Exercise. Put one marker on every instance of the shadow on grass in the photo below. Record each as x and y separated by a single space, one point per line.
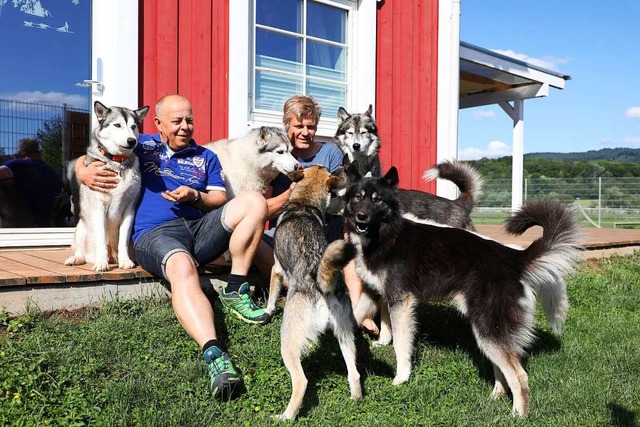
621 416
445 327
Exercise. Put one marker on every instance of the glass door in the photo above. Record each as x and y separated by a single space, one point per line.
61 58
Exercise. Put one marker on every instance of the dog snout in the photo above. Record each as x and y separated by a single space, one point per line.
131 142
356 146
362 217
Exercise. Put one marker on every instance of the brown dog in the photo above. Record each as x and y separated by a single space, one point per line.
316 298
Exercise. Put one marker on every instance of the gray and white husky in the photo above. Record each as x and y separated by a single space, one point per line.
254 160
104 228
357 137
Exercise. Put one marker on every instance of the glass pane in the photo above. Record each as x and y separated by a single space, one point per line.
48 54
326 61
326 22
278 52
282 14
330 96
273 89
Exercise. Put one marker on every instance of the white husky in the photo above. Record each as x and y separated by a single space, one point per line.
104 227
254 160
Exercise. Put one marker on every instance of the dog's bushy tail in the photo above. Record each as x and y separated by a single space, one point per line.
336 256
465 176
551 256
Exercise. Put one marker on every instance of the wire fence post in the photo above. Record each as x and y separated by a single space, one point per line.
599 200
65 143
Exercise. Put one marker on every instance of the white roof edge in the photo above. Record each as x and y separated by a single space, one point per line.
478 55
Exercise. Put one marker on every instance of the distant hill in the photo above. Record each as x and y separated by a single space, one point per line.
622 155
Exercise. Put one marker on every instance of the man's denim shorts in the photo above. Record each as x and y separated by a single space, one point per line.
205 239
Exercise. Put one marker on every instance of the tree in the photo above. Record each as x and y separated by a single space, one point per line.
50 138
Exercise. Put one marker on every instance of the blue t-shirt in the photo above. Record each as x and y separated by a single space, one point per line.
329 156
163 169
39 184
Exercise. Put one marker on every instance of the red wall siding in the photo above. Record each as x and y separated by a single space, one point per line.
406 88
184 49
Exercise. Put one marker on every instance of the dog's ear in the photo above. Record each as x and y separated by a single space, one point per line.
342 115
101 110
369 111
345 161
352 172
337 179
263 137
391 177
296 175
141 112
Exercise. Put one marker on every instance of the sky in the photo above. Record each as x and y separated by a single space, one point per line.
44 64
596 42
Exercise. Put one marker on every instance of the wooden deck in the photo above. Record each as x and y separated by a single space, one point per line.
46 265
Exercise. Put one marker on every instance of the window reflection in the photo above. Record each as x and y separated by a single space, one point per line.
300 47
40 101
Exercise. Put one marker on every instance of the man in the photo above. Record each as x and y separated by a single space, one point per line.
183 219
301 115
37 183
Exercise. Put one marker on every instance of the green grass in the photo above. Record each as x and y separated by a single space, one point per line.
130 363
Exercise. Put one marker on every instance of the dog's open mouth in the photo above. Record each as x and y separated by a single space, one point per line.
362 227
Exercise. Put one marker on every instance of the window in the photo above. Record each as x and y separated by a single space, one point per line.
300 47
321 48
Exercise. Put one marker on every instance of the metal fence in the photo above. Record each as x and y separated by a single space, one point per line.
62 130
602 201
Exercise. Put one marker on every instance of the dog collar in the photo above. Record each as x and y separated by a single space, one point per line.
113 157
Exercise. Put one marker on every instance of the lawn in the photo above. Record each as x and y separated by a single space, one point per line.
130 363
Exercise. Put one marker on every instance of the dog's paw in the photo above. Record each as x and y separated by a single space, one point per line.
101 266
498 390
126 263
381 342
72 260
400 379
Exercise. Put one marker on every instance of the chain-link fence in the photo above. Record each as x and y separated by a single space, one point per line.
62 131
603 201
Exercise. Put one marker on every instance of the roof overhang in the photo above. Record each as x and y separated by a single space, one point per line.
488 77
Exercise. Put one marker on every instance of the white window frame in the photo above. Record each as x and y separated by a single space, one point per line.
361 66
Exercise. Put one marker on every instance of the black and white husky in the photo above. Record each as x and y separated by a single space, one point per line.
494 285
104 227
357 137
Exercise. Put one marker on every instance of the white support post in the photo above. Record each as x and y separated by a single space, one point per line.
516 112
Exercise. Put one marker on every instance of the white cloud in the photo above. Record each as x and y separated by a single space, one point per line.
548 62
632 141
632 113
494 150
53 98
483 114
607 141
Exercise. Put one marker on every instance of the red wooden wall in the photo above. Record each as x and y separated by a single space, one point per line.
406 88
184 48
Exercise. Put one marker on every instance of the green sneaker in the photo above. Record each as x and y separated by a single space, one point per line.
225 378
241 304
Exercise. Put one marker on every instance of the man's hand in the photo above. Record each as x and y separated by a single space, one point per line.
95 176
182 194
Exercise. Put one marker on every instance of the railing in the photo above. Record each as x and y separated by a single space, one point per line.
602 201
62 130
